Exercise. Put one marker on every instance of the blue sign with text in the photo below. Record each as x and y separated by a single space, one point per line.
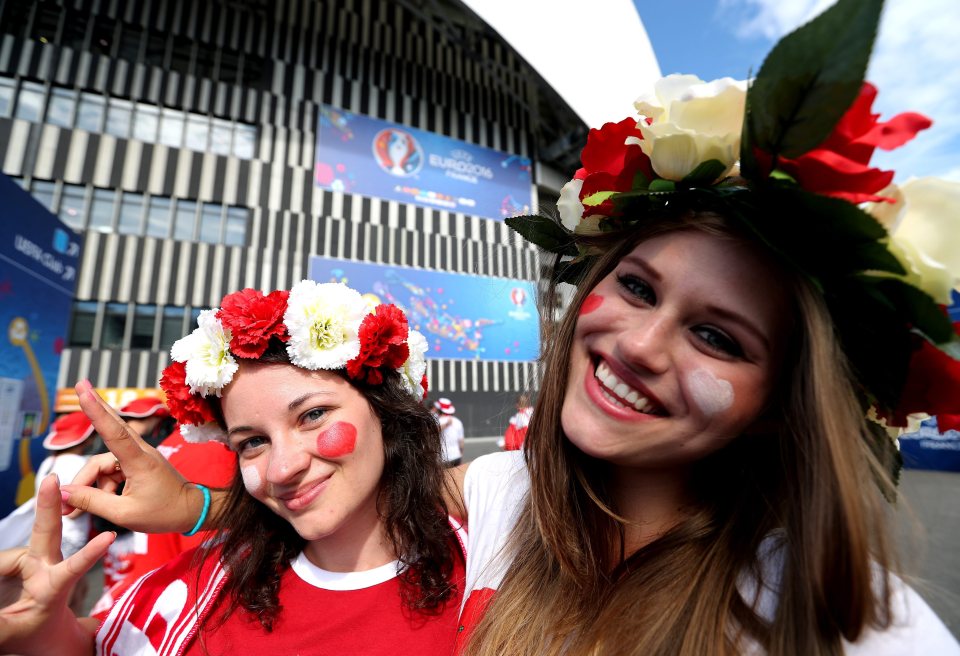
462 317
362 155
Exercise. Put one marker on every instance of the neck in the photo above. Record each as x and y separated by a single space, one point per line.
653 502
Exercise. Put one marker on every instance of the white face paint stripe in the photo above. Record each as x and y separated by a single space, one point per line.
711 394
251 478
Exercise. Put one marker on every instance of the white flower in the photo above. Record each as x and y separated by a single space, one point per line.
412 371
569 205
693 122
206 433
924 227
206 352
324 323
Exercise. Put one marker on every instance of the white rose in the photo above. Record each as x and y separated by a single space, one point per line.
206 352
412 371
924 227
569 205
693 122
324 324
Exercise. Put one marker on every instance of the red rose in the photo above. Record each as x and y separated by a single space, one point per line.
253 319
611 165
185 407
383 343
840 165
932 387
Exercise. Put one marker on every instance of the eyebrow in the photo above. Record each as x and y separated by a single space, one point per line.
293 405
723 313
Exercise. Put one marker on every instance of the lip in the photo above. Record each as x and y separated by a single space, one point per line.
596 392
304 496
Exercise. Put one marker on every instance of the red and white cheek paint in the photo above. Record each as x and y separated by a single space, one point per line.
337 441
251 478
590 303
711 394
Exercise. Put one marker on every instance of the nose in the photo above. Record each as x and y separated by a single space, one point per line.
646 343
288 459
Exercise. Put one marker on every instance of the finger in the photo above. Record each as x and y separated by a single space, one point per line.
80 563
97 502
123 441
47 526
95 469
11 560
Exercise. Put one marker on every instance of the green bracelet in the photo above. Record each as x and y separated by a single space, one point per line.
203 513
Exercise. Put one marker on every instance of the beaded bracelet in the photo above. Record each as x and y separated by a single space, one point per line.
203 513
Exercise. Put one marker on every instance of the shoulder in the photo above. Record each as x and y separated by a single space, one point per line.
495 484
494 468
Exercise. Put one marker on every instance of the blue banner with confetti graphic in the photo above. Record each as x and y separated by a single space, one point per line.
462 317
361 155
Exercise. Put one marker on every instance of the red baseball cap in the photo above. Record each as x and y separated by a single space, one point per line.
145 406
445 406
67 431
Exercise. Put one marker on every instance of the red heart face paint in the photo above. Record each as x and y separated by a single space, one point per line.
591 303
337 441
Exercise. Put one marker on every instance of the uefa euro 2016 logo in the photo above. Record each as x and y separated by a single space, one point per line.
397 152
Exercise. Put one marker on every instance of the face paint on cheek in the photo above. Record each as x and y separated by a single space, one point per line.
711 394
251 478
337 441
590 303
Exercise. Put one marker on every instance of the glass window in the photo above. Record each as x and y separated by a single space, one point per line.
171 327
171 127
144 323
145 123
7 88
104 33
198 131
186 220
210 220
63 102
220 133
114 323
244 141
229 65
101 210
156 49
81 324
119 117
236 229
131 214
30 102
72 206
45 22
158 217
74 29
90 114
43 192
130 39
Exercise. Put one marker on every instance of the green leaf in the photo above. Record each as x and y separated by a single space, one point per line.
597 198
810 78
705 172
875 256
640 181
663 185
544 232
917 308
572 272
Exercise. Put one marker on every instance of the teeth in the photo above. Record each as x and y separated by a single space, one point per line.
619 393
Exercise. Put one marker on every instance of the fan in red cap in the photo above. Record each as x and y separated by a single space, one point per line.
145 406
68 431
149 416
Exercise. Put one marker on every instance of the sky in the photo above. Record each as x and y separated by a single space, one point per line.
915 63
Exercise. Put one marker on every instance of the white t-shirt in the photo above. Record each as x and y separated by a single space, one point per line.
451 431
496 486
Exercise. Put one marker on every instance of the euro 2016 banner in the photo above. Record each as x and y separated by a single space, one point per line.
362 155
462 317
39 257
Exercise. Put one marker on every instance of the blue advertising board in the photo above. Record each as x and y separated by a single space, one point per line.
39 258
462 317
362 155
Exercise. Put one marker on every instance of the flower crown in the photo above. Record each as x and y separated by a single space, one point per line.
787 157
324 326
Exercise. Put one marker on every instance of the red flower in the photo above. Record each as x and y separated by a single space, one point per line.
932 387
611 165
185 407
425 385
840 165
253 319
383 343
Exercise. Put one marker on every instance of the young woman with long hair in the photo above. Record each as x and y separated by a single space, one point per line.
333 531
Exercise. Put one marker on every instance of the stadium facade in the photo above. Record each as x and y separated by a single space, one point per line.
179 138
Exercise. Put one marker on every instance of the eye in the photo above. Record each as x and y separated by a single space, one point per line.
250 445
313 415
719 341
637 287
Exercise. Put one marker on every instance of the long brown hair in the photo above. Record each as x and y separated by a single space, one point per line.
807 492
258 546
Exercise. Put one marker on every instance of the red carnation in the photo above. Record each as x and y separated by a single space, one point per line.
425 385
185 407
253 319
383 343
611 165
840 165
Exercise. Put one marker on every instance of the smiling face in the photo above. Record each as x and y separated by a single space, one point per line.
675 352
310 448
